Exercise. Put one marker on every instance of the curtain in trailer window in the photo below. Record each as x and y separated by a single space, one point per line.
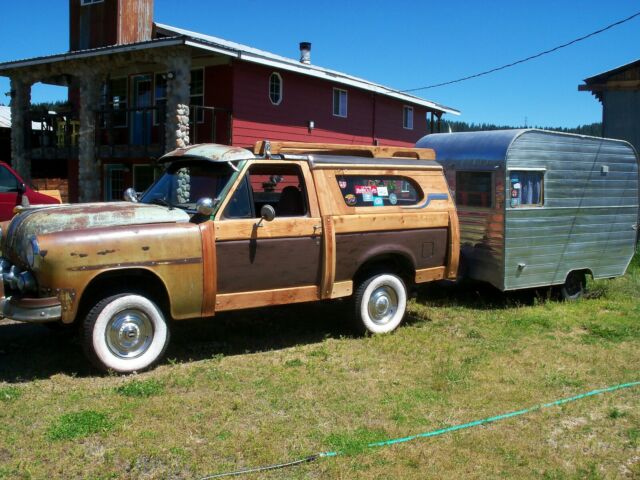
526 188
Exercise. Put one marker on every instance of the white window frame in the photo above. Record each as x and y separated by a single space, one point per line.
281 90
84 3
340 91
407 117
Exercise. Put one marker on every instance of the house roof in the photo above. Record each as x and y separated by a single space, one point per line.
604 76
178 36
254 55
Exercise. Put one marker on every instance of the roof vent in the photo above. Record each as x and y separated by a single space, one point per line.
305 52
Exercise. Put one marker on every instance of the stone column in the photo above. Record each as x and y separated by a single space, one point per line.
88 164
20 127
178 91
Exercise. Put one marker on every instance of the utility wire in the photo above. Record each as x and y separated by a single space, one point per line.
537 55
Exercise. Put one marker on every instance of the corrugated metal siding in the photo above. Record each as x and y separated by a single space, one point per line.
587 218
482 229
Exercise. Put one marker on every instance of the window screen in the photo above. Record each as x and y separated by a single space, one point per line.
378 191
474 189
527 188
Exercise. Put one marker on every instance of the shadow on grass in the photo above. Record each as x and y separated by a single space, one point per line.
480 295
29 352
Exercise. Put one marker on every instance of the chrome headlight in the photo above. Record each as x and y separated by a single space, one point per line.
31 250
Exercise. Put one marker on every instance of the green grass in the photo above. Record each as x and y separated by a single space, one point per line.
9 394
271 385
79 424
141 388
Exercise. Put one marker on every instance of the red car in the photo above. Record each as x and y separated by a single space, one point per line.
13 192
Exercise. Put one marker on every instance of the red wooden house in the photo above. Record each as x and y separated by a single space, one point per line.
131 82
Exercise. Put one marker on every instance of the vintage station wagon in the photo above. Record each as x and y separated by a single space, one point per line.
226 229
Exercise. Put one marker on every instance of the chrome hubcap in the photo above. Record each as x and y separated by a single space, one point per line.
129 333
382 305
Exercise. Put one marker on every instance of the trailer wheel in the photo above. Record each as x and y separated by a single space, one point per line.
380 304
125 333
573 287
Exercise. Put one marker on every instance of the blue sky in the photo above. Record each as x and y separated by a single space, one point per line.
401 44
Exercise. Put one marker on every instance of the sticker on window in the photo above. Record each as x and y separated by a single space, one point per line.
378 191
350 199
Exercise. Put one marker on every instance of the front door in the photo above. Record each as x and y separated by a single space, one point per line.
141 114
263 262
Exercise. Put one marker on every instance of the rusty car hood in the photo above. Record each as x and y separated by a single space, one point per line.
57 218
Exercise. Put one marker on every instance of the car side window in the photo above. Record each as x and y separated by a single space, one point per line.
378 191
281 186
240 205
8 182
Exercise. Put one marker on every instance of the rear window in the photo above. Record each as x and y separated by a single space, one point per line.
474 189
378 191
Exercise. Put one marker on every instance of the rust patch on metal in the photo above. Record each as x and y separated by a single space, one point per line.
176 261
81 255
145 248
106 252
67 297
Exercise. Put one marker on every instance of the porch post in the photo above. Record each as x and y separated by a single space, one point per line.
20 126
88 164
178 96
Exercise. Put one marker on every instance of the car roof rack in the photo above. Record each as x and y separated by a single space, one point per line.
267 148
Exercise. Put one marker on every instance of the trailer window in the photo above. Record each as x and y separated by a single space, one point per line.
378 191
527 188
474 189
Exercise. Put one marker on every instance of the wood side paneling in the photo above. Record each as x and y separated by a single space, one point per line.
430 274
453 257
328 257
390 221
239 229
237 301
209 269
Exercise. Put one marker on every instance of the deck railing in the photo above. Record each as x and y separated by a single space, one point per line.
124 132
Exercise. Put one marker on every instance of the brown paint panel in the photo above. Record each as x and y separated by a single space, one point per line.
425 248
263 264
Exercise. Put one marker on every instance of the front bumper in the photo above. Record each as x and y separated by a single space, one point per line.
32 310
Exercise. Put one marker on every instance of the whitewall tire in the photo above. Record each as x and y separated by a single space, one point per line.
380 304
125 333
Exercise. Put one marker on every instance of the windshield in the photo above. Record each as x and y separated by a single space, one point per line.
185 182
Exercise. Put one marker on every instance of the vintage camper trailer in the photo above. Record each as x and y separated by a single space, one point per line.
541 208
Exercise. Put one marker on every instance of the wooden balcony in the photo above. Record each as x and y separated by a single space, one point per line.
123 133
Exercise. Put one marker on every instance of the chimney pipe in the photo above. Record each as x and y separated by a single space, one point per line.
305 52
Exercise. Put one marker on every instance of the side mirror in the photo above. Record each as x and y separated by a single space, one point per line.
21 188
268 213
130 195
205 206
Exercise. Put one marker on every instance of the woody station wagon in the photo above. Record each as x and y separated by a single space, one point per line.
225 229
